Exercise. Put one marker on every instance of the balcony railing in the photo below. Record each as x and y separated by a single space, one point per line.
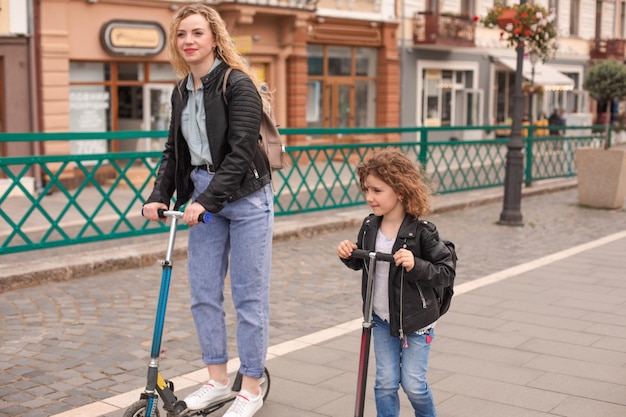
443 29
608 49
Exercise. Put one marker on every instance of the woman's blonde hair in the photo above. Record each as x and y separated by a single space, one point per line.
402 175
224 50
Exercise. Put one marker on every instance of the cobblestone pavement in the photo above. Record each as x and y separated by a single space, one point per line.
70 343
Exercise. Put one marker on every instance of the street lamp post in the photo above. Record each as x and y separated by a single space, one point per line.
534 57
511 214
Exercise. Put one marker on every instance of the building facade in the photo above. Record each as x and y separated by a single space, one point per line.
101 71
458 73
102 65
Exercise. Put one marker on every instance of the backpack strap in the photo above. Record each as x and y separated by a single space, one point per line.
226 74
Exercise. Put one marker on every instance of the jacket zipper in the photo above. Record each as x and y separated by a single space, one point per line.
401 321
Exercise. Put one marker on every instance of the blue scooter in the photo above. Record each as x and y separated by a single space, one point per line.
157 386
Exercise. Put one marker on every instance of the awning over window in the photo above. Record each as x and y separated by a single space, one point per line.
549 77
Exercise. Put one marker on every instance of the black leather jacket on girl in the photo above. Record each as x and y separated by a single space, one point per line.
233 131
412 300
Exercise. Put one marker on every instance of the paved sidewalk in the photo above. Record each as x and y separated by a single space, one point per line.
538 326
545 338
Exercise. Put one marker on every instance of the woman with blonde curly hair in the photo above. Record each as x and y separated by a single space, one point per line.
405 301
213 162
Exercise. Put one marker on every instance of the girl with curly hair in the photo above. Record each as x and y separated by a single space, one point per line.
405 303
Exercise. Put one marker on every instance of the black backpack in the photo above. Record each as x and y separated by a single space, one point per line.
444 294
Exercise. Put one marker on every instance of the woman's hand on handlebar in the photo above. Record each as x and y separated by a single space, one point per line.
193 212
150 211
345 248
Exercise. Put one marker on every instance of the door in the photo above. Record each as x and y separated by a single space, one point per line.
338 109
156 114
469 105
341 105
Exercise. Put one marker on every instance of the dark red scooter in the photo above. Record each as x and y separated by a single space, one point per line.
366 336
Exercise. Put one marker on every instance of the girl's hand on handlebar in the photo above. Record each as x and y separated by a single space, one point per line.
150 211
405 258
193 212
345 248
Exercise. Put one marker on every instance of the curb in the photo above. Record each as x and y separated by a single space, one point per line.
139 255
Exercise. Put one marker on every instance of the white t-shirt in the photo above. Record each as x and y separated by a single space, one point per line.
381 277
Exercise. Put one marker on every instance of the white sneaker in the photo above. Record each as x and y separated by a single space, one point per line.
209 393
245 405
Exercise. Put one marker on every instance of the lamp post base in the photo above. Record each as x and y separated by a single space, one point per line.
510 219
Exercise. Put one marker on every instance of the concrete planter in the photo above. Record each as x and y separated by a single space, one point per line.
601 177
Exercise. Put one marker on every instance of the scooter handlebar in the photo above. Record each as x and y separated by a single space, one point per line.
366 254
202 218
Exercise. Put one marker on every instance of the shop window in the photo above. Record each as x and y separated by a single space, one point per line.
314 104
316 60
342 86
448 98
574 25
130 72
339 60
90 111
161 72
366 62
112 97
85 72
366 95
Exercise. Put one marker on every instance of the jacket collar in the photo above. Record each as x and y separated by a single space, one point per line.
408 228
215 72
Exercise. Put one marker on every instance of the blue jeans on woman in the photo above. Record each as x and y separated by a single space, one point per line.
241 231
397 364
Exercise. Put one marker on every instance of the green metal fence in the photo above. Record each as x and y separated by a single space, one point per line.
95 197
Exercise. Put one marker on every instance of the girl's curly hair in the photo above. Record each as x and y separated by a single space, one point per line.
224 50
402 175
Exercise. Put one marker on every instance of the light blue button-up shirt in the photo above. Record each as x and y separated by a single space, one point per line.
194 123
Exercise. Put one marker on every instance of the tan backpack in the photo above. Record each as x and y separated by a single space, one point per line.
271 143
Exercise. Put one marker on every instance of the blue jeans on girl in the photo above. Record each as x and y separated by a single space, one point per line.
242 229
397 365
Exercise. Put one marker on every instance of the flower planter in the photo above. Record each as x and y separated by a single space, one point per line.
507 16
601 177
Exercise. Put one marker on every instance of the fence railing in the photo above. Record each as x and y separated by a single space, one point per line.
95 197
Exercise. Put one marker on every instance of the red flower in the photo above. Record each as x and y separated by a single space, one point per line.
476 18
524 14
518 31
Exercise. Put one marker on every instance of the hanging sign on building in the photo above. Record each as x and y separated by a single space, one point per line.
132 38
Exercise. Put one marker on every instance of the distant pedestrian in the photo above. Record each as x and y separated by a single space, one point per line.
554 121
405 306
214 163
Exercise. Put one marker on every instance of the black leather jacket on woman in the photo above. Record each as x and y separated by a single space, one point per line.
412 300
233 131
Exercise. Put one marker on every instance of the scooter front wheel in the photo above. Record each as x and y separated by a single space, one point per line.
138 409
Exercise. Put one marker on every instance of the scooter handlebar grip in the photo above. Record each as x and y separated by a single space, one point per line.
365 254
204 217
